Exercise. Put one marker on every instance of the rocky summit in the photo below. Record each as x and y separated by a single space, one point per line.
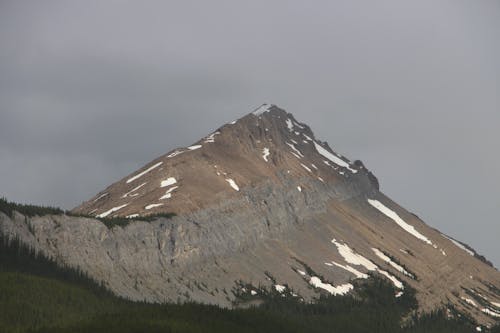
260 203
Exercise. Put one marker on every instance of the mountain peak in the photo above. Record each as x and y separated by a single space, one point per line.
261 146
262 109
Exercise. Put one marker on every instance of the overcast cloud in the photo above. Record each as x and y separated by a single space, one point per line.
92 90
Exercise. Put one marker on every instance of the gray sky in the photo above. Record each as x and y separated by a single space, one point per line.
92 90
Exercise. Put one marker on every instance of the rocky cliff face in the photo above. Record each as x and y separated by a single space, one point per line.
261 201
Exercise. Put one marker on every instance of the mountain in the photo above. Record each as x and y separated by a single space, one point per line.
259 203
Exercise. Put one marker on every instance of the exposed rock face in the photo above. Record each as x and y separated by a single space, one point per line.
260 197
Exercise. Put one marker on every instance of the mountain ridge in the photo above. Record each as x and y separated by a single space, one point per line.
284 136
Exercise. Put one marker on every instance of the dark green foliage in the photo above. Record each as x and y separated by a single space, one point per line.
16 257
110 222
8 208
437 322
492 288
28 210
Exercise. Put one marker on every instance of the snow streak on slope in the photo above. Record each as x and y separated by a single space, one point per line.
233 184
167 182
144 172
211 137
298 152
353 258
112 210
459 245
101 196
194 147
490 312
398 284
153 206
339 290
348 268
332 157
356 259
265 154
388 260
279 288
395 217
133 190
168 194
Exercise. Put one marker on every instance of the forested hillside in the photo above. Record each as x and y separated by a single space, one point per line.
36 295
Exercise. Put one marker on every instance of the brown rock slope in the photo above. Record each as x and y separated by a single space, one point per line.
262 201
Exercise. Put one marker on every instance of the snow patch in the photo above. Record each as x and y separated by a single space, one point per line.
253 292
295 149
299 188
211 137
339 290
353 258
175 153
350 269
112 210
132 216
144 172
289 124
356 259
265 154
168 194
153 206
388 260
332 157
395 217
469 301
167 182
490 312
306 167
233 184
133 190
398 284
279 288
194 147
459 245
101 196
